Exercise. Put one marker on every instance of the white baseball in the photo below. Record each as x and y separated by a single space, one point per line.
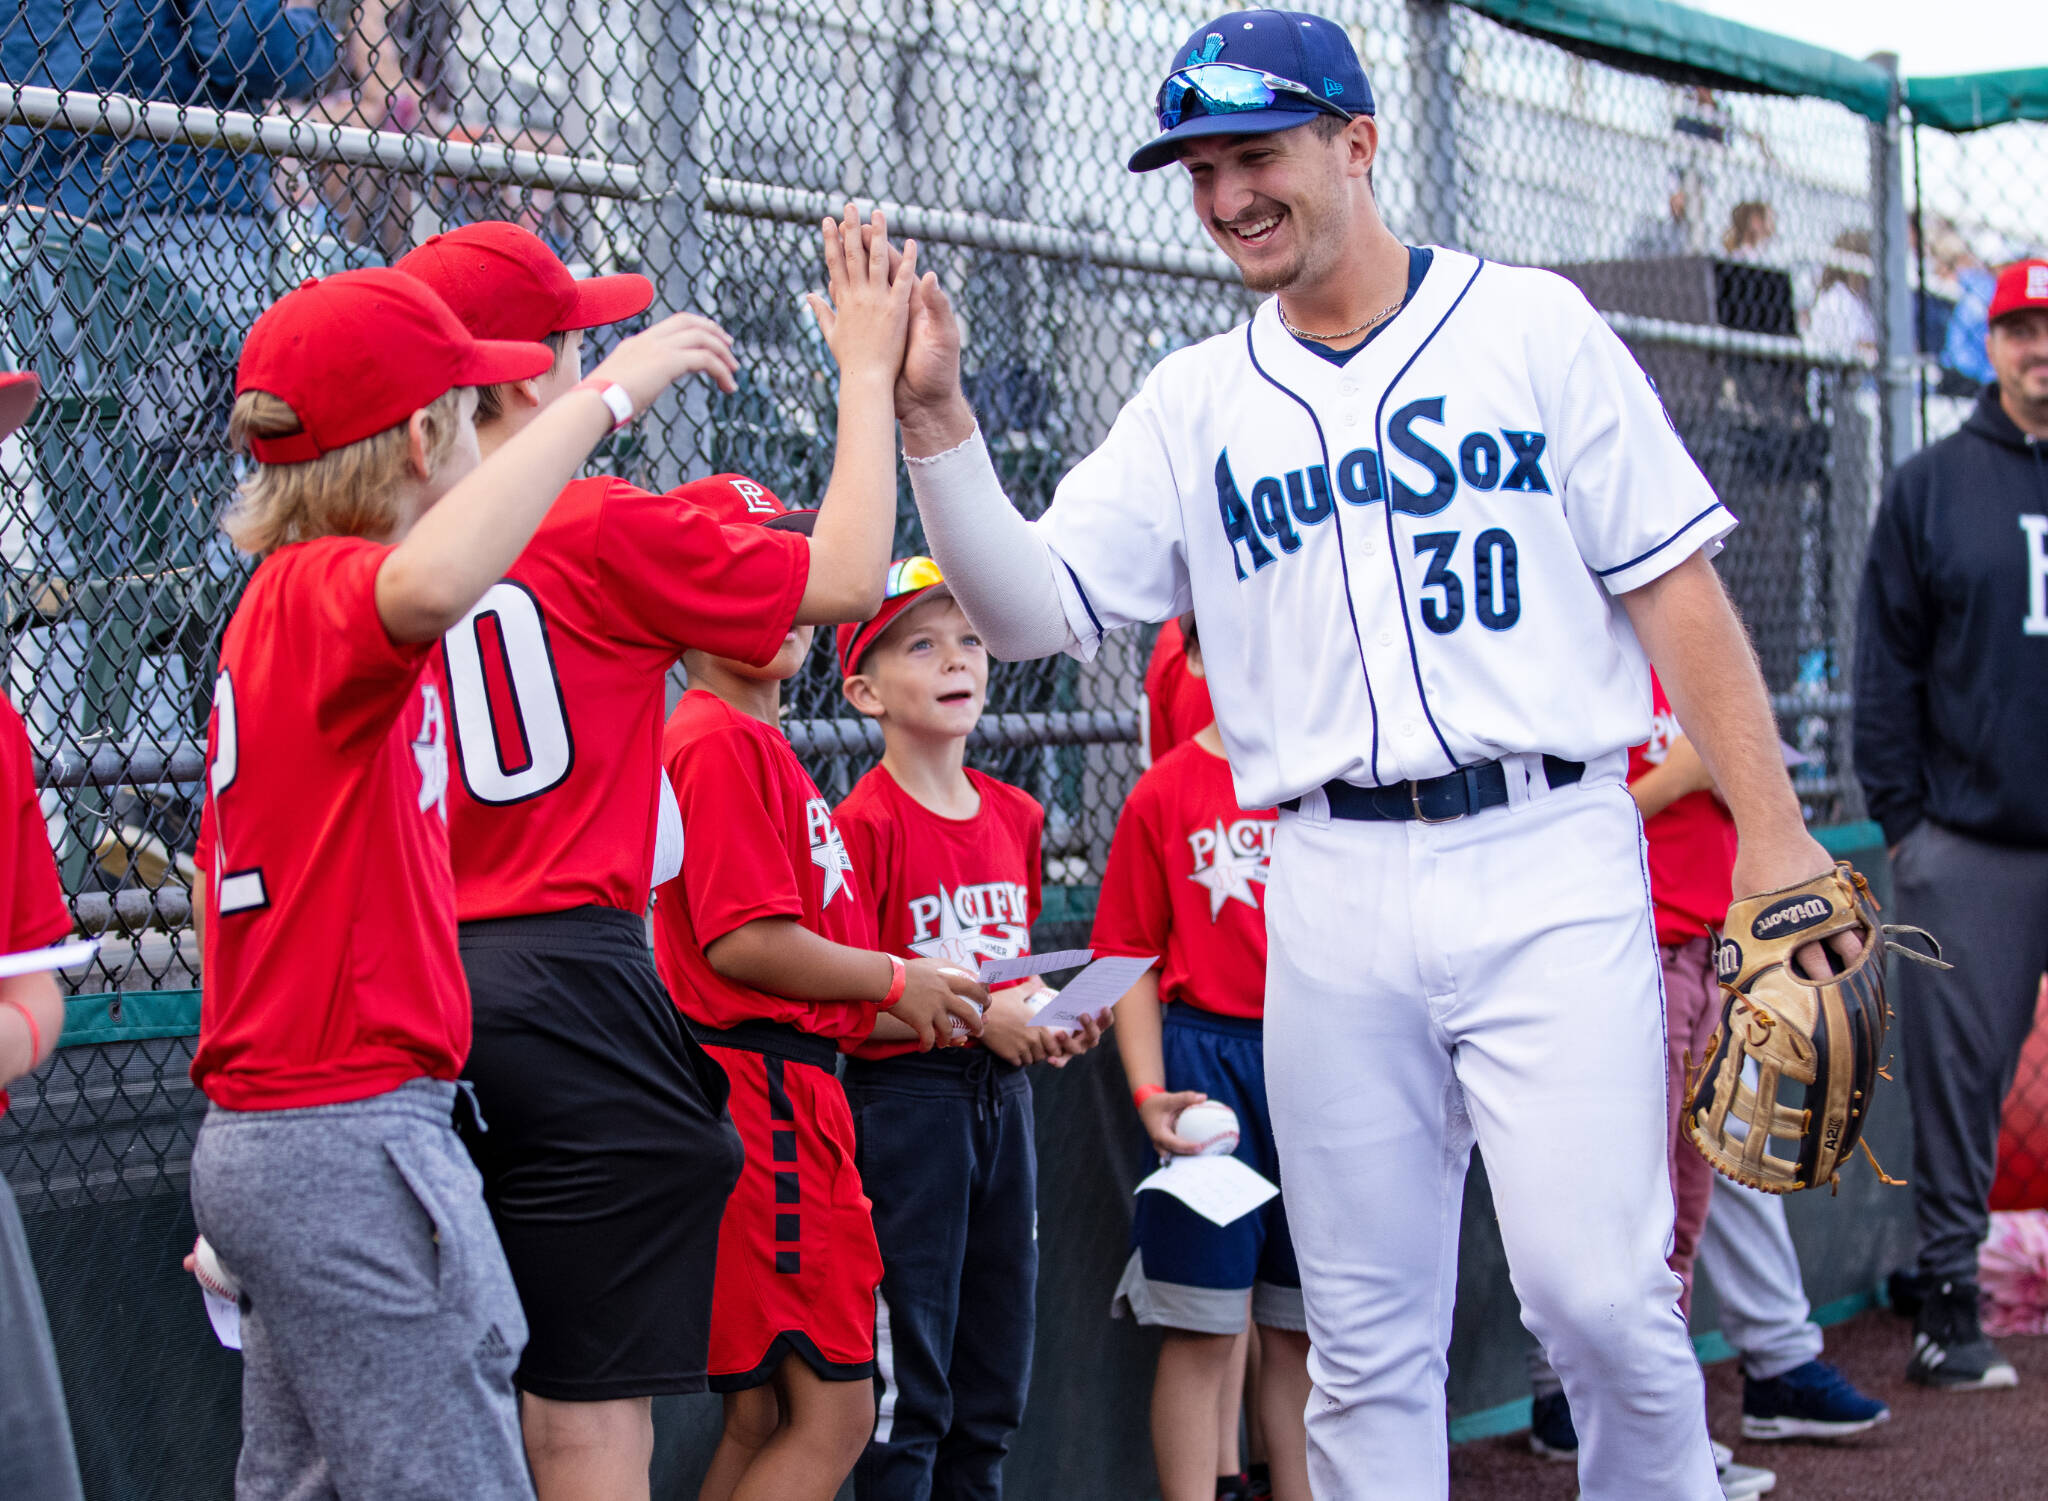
1210 1125
212 1276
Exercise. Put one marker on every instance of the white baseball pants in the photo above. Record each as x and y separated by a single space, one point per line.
1493 979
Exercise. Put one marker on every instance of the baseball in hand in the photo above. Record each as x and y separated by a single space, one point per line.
1210 1125
211 1274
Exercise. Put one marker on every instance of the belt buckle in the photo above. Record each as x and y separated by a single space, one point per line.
1415 802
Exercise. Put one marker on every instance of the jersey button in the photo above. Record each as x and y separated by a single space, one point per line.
1351 419
1349 388
1370 547
1408 727
1386 638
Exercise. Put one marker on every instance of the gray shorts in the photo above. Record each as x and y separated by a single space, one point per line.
379 1323
35 1436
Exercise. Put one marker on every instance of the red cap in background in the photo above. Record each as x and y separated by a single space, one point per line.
504 282
738 501
910 580
361 351
18 391
2022 285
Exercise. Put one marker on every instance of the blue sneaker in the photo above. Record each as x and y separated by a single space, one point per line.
1810 1401
1551 1435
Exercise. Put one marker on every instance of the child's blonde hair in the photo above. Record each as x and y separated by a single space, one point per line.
351 491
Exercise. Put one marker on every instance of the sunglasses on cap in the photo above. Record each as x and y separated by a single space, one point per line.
1231 89
908 575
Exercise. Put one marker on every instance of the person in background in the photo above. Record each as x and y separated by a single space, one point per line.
1186 881
36 1457
1751 226
1176 701
1841 322
1950 720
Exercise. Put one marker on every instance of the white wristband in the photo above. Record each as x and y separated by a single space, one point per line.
614 396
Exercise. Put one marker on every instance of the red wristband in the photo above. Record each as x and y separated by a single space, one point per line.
35 1032
1145 1092
898 978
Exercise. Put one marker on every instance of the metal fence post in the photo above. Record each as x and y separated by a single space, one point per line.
1896 343
668 96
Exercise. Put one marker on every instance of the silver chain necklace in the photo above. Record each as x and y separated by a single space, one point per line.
1381 316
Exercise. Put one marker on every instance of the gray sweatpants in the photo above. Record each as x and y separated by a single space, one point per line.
1746 1252
1961 1030
379 1322
35 1436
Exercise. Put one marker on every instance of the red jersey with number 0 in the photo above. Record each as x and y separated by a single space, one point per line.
557 684
1186 880
331 971
961 890
32 907
1692 842
758 841
1177 702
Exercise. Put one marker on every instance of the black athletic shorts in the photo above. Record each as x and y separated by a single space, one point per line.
605 1148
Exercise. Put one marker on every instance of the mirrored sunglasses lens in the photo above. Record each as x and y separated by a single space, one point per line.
1223 90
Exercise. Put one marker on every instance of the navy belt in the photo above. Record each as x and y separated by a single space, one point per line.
1457 794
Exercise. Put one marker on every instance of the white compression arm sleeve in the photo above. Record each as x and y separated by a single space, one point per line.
998 566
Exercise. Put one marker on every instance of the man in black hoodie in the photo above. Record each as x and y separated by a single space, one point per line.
1952 751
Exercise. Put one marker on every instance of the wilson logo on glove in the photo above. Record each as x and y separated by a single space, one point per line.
1793 915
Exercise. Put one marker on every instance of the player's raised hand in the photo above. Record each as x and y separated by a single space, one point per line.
681 344
934 996
1760 867
931 359
866 311
1158 1115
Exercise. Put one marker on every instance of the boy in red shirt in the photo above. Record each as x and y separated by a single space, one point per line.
381 1327
35 1435
1176 700
607 1186
952 863
1186 880
767 942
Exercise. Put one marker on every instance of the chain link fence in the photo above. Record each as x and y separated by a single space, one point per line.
165 171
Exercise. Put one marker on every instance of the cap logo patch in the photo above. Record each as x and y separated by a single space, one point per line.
1793 915
1211 45
2037 283
756 498
1332 88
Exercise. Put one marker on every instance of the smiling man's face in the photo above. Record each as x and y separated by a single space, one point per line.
1280 204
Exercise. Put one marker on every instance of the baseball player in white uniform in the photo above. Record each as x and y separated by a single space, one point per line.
1429 514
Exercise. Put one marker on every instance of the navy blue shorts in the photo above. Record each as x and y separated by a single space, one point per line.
1185 1272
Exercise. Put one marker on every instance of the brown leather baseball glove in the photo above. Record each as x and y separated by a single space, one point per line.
1820 1044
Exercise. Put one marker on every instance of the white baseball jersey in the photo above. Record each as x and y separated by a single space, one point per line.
1407 563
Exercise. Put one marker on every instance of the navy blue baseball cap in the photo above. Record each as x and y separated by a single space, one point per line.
1280 69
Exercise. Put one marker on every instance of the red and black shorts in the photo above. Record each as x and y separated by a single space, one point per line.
797 1260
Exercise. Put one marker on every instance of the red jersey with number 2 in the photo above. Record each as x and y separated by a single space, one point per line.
557 684
758 841
32 911
1692 842
331 972
960 890
1186 880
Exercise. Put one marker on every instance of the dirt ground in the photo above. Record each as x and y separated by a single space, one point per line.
1937 1447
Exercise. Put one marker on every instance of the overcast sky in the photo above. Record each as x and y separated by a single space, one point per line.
1930 36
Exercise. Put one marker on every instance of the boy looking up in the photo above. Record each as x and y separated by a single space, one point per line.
953 863
1186 879
380 1323
767 943
607 1187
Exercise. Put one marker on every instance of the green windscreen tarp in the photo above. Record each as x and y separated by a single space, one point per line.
1672 41
1977 100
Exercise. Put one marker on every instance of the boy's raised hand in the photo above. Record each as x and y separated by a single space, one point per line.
934 994
866 312
682 344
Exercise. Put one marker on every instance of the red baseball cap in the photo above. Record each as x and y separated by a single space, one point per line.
2022 285
738 501
910 580
18 391
505 283
359 352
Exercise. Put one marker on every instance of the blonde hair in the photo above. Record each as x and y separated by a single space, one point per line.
349 492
